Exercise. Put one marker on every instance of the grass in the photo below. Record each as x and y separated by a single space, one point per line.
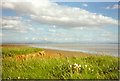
98 67
12 51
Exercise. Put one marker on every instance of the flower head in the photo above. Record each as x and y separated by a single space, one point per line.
85 65
70 66
79 65
75 64
18 77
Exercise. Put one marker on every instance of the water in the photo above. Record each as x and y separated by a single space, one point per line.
107 49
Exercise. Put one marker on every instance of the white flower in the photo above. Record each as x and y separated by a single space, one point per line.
85 65
70 65
79 65
18 77
75 64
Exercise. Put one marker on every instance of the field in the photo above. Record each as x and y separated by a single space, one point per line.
59 67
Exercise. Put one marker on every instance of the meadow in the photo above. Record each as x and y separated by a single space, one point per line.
42 67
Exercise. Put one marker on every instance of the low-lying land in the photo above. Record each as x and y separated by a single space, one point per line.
56 64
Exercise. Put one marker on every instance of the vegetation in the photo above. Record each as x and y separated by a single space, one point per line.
12 51
89 67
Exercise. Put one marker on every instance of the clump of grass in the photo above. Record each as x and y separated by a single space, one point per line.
11 51
91 67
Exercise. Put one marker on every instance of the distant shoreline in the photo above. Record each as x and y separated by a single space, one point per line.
52 52
66 53
68 49
55 50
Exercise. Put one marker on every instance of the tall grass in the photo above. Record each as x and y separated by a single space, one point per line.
98 67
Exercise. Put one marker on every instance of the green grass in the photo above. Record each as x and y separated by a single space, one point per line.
11 51
98 67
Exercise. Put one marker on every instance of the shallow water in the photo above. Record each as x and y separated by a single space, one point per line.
107 49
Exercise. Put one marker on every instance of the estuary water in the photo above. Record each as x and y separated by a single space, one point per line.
107 49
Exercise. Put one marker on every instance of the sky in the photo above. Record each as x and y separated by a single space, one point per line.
59 22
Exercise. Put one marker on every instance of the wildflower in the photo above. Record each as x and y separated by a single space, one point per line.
18 77
85 65
75 64
79 65
79 69
70 66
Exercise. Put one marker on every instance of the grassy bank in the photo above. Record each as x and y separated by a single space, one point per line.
16 50
89 67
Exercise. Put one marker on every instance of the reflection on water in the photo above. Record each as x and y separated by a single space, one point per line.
109 49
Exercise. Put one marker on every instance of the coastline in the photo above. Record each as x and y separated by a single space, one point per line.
54 52
74 51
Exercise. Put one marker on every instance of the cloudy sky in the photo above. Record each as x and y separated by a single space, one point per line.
59 22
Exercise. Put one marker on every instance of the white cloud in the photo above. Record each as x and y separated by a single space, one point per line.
53 26
45 39
85 5
16 24
107 7
115 6
51 30
1 34
26 38
39 29
61 16
32 29
89 28
69 39
33 38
